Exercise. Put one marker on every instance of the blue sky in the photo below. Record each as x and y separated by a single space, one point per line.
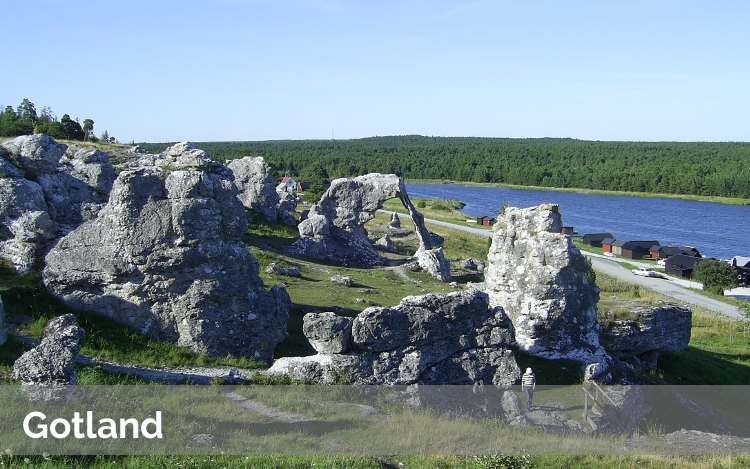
282 69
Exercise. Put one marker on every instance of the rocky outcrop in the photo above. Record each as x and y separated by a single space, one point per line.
255 181
474 265
542 281
165 257
650 331
327 332
334 229
275 269
384 243
45 192
451 338
53 360
342 280
2 322
395 223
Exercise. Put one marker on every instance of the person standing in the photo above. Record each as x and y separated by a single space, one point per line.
528 383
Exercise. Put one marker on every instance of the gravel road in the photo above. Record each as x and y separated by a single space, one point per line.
666 287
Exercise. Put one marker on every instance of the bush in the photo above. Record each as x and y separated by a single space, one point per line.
715 275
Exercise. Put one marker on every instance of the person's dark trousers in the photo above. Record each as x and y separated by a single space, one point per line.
529 396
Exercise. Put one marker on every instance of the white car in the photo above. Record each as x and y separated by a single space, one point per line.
645 272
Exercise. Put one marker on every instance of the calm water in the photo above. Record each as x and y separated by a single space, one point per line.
715 229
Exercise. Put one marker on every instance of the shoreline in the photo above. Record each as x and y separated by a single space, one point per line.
652 195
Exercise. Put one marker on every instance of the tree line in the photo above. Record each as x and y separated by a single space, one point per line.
697 168
25 120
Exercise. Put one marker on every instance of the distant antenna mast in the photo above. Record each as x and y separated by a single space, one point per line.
332 137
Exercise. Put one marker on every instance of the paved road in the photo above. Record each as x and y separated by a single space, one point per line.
669 288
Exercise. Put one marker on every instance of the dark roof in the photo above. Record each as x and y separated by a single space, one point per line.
681 261
619 242
597 236
645 245
655 248
608 240
677 250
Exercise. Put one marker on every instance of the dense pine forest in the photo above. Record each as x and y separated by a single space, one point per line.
707 169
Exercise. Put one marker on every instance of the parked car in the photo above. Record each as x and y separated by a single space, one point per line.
645 272
608 254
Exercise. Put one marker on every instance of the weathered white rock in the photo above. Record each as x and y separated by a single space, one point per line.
651 330
395 222
276 269
385 243
334 229
286 212
476 265
35 154
433 262
53 360
328 332
254 179
165 257
452 338
542 281
44 193
342 280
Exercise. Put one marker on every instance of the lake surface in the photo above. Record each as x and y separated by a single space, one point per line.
717 230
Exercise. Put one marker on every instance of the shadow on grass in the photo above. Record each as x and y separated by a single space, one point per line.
696 366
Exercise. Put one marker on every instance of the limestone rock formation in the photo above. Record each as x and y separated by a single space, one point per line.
542 281
79 188
661 328
334 229
44 192
2 322
53 360
327 332
476 265
451 338
395 222
255 181
342 280
385 243
165 257
275 269
433 262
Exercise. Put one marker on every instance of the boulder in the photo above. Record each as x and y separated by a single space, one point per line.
2 322
44 193
384 243
334 229
255 181
53 360
35 154
475 265
395 223
651 330
287 209
165 257
450 338
433 262
327 332
342 280
544 284
275 269
79 188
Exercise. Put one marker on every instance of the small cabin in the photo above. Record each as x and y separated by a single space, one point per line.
489 221
595 239
567 230
637 249
666 252
481 220
607 244
681 265
617 246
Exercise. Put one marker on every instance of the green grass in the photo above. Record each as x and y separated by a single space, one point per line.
447 210
719 349
25 299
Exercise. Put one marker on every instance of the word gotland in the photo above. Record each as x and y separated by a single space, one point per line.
35 426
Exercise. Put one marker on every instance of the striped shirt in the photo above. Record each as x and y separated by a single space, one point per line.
528 379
